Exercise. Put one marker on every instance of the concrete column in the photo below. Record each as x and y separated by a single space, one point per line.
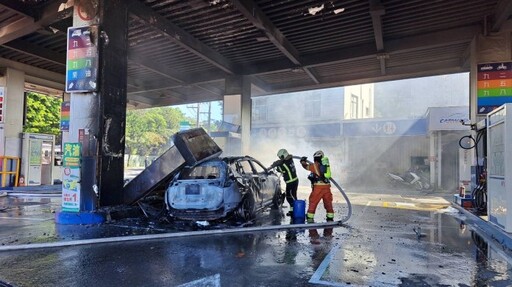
11 126
83 118
101 115
487 48
473 81
246 116
439 159
97 119
113 74
432 158
237 110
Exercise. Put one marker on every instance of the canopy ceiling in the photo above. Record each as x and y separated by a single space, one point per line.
181 51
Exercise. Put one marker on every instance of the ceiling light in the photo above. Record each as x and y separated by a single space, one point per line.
314 10
336 11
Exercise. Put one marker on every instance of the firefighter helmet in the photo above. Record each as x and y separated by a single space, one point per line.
318 154
282 153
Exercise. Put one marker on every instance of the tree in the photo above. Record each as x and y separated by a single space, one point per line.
148 131
43 114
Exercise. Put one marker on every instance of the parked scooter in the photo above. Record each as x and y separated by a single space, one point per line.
410 178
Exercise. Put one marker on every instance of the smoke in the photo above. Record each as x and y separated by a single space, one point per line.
265 150
362 150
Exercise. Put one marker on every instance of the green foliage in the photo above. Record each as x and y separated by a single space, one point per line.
148 131
43 114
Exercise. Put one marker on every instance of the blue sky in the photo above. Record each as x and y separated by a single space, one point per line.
190 110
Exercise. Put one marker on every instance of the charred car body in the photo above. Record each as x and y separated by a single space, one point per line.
223 187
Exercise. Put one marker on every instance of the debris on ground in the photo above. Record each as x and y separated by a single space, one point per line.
417 230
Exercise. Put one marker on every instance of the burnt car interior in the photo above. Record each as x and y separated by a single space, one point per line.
200 172
254 190
208 187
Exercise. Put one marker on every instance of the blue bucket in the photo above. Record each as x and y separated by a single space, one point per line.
299 209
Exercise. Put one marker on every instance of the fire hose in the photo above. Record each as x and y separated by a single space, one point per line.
349 205
188 233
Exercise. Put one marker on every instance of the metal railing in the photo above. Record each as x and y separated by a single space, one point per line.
9 170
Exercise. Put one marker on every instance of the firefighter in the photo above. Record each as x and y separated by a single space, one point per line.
321 187
286 166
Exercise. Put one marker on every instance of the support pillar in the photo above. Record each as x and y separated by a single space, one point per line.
12 85
237 111
433 158
439 159
113 73
97 119
487 48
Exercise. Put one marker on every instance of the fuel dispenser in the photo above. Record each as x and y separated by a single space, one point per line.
37 156
499 167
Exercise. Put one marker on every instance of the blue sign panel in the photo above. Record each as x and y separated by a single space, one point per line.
306 131
381 128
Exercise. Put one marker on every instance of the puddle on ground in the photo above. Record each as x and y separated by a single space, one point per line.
420 249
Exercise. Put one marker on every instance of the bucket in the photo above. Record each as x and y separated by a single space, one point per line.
299 209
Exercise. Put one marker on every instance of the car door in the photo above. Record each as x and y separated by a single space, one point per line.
266 185
252 179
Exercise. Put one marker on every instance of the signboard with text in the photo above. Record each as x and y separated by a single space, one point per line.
82 60
385 128
494 86
184 125
64 116
71 177
448 118
300 131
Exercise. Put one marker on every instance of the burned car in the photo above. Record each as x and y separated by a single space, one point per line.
221 188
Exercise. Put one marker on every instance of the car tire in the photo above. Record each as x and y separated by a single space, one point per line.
247 209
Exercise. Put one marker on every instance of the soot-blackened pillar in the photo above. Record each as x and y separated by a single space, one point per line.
113 19
96 80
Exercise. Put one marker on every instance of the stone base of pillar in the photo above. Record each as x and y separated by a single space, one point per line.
76 218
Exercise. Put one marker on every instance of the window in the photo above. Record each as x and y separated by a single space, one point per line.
354 102
312 105
259 109
257 167
246 166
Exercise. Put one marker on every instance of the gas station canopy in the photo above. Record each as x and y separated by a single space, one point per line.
182 51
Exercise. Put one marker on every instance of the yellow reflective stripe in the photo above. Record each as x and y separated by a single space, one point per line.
311 215
321 183
289 174
330 215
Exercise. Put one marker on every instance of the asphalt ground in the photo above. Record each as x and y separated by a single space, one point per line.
394 238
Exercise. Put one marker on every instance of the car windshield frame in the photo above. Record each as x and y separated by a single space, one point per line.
207 170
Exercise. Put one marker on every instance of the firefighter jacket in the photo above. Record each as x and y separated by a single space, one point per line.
320 171
287 168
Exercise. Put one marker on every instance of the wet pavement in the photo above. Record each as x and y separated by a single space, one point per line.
391 240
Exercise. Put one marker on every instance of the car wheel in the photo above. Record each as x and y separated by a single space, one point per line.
247 208
278 199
